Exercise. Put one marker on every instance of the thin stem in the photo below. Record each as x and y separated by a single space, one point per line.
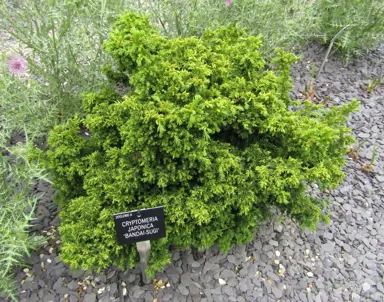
329 49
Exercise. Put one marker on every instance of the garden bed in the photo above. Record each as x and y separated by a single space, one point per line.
340 262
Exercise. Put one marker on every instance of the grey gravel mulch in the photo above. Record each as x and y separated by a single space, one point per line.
343 261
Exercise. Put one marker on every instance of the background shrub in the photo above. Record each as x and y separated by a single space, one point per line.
364 18
205 130
286 24
22 117
62 41
282 23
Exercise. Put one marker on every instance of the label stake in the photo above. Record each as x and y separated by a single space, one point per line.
144 247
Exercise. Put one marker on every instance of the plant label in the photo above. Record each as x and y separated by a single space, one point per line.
140 225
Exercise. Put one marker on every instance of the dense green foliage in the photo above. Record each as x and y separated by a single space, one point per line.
207 129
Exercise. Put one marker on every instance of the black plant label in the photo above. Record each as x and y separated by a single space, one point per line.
140 225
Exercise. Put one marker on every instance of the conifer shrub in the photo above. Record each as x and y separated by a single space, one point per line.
207 129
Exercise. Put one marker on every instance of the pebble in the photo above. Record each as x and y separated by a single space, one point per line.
366 286
90 297
183 290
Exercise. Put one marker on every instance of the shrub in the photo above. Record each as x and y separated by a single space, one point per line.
17 204
62 42
282 23
22 112
207 130
364 19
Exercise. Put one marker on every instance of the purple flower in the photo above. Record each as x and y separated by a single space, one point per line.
228 2
17 65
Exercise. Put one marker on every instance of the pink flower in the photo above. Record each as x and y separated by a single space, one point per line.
228 2
17 65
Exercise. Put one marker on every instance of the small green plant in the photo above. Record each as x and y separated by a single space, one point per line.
374 84
353 151
368 168
309 91
206 131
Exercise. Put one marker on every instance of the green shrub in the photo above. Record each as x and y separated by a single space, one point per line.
22 113
364 19
17 204
207 130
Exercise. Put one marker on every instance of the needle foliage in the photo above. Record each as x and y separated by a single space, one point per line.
207 130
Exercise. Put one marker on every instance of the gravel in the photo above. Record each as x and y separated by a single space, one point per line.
343 261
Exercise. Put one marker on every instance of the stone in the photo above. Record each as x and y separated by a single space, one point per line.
377 297
33 298
228 291
186 279
277 292
183 289
273 276
278 227
232 282
49 298
167 297
218 298
58 284
366 286
137 292
195 264
327 247
72 285
193 289
363 135
355 297
148 297
113 289
273 242
208 266
351 260
243 287
59 270
91 297
227 274
231 259
258 245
